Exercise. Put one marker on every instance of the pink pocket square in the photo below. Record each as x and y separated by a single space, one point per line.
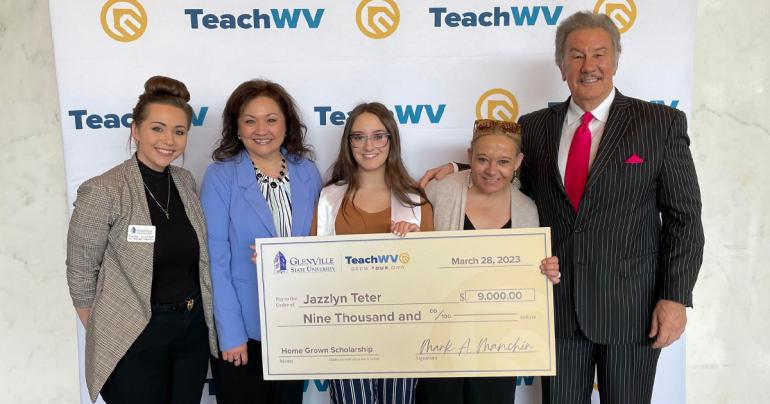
634 159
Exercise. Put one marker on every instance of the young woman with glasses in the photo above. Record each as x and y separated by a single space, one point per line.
370 191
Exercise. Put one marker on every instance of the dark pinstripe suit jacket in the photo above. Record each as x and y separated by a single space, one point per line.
637 236
113 277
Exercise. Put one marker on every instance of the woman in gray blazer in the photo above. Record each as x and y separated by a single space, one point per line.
485 197
137 264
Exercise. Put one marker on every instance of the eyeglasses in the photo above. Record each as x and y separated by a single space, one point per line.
510 127
378 139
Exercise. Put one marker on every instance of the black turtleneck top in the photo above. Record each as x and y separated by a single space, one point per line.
176 251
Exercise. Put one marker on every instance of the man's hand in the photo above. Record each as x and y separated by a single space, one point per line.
436 173
668 321
550 268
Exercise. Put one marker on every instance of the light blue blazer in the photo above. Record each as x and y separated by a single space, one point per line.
237 213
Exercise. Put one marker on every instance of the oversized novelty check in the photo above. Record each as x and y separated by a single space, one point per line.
433 304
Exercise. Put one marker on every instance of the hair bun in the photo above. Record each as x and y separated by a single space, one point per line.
161 85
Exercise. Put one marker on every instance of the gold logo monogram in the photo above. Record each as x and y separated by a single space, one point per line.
622 13
404 258
123 20
377 19
499 104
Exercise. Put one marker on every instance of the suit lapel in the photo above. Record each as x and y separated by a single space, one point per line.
554 128
249 189
617 124
553 131
299 198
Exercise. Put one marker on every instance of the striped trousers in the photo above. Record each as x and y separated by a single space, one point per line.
625 372
373 391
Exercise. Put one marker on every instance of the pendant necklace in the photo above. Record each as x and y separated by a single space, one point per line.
168 196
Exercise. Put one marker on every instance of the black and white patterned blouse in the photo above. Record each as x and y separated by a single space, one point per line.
277 193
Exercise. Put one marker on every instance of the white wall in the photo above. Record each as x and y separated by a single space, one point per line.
728 358
38 349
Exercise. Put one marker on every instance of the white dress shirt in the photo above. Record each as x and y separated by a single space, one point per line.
571 123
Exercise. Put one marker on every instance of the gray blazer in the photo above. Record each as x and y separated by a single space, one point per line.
112 276
448 197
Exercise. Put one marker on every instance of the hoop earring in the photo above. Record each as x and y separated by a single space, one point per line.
470 181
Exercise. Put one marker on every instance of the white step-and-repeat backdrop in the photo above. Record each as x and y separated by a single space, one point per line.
438 64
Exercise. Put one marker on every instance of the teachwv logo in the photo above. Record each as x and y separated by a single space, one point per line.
123 20
622 13
499 104
377 19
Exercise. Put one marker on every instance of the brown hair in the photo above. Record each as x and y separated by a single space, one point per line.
162 90
396 177
294 142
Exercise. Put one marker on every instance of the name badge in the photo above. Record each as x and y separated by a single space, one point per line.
141 234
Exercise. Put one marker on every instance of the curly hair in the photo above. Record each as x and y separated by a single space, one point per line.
294 142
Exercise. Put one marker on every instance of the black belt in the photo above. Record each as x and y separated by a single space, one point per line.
184 305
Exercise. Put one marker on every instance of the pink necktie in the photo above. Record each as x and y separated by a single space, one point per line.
576 173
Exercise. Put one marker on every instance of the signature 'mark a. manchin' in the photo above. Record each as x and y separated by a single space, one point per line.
483 345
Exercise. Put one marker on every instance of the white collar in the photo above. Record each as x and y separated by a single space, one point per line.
600 113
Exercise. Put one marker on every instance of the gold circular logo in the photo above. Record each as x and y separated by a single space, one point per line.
497 103
622 13
123 20
404 258
377 19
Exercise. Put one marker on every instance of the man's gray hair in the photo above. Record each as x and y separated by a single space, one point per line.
585 20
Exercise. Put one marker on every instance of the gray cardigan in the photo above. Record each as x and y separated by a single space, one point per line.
448 197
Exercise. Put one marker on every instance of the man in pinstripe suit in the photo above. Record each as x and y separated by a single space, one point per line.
614 179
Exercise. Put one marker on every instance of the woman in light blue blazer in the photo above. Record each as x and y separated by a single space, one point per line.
262 184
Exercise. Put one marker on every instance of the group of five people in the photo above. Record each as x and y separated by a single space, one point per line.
164 280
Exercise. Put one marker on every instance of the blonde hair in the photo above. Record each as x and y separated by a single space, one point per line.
485 127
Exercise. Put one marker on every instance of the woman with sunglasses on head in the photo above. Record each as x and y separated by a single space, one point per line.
262 184
485 197
137 264
370 191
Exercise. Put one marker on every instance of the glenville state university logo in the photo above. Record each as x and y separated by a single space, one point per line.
497 103
123 20
279 263
622 13
377 19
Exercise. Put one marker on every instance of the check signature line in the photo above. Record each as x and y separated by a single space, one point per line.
472 353
398 322
376 304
